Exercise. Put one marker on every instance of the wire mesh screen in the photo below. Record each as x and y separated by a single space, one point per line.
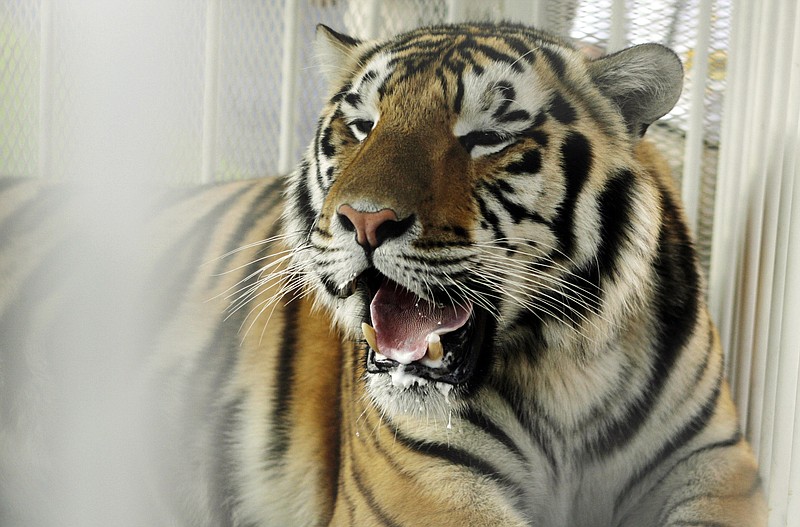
20 36
246 90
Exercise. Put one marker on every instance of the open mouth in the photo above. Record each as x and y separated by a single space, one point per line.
414 338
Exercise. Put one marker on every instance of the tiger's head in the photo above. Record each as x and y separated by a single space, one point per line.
473 195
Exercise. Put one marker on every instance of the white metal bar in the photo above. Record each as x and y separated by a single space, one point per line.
793 492
726 241
210 92
455 11
525 11
753 195
619 26
372 18
755 271
783 350
771 293
790 334
46 88
288 88
785 359
744 198
693 153
539 14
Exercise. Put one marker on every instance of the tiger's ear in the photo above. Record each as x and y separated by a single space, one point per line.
336 53
644 81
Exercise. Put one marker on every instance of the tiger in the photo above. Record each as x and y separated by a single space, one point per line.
475 302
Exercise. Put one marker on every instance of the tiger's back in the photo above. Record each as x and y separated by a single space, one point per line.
475 302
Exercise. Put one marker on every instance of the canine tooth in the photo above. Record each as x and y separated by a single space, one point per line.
435 349
369 334
347 289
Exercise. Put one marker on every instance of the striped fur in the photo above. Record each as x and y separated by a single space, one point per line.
598 395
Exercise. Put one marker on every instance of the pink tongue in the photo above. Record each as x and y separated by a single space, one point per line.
403 321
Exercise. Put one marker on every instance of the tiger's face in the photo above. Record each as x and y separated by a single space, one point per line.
470 195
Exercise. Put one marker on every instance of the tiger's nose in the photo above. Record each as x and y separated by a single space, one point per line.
372 228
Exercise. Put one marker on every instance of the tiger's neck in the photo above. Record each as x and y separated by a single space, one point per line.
388 464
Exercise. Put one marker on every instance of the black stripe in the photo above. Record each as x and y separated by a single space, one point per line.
508 95
349 507
301 198
283 386
412 47
516 115
701 523
614 205
726 443
522 48
368 76
458 70
518 213
220 355
302 174
337 97
488 426
328 150
491 220
675 306
535 132
561 110
555 61
481 138
328 177
476 68
304 170
689 431
346 40
576 163
678 287
353 99
703 366
529 163
457 456
372 503
355 471
496 55
533 420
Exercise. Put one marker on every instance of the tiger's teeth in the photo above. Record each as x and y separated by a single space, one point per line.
435 349
369 335
347 289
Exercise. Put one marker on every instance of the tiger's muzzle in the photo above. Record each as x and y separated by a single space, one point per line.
416 340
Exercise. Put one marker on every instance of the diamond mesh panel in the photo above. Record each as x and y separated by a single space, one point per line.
19 88
184 129
250 40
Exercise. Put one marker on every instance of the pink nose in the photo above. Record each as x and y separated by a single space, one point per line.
371 228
